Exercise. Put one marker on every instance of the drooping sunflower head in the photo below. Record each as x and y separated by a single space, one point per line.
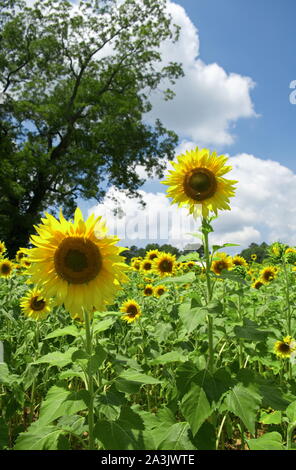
2 248
76 262
152 254
222 262
165 265
148 290
285 347
131 310
159 290
6 268
268 274
197 180
290 255
35 305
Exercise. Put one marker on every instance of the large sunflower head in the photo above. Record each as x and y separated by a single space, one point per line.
131 310
285 347
223 262
35 305
76 262
2 248
197 181
6 268
165 264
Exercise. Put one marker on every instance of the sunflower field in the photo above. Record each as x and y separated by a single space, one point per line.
194 353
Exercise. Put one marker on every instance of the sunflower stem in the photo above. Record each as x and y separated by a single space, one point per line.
88 338
205 232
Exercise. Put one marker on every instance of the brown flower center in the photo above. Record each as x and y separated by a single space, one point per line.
5 268
284 347
77 260
200 184
166 266
132 311
36 304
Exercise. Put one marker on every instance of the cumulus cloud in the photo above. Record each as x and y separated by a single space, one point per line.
262 209
208 101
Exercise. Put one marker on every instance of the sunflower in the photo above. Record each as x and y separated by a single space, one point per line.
35 305
131 310
223 262
2 248
136 264
152 254
285 347
19 255
253 256
146 265
25 263
268 274
197 180
165 264
148 290
257 283
76 262
6 268
159 290
239 261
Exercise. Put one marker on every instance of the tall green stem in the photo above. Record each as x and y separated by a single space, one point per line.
209 295
90 381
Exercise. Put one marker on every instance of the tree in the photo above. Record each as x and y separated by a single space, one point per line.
260 250
75 87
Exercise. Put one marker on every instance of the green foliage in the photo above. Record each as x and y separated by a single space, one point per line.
76 87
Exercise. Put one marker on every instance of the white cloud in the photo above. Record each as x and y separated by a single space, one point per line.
208 101
262 209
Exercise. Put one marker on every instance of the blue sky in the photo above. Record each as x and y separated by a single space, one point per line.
255 38
239 62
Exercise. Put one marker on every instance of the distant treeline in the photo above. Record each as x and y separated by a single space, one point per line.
254 248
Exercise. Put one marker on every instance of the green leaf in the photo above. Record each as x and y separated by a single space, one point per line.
103 325
6 377
185 279
219 247
205 438
194 256
4 434
291 412
195 407
39 438
57 358
67 331
131 380
275 417
213 307
177 437
191 317
268 441
244 403
97 359
172 356
109 403
250 332
62 402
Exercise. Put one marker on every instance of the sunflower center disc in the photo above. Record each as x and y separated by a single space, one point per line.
200 184
284 347
5 269
165 266
132 310
36 304
77 260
